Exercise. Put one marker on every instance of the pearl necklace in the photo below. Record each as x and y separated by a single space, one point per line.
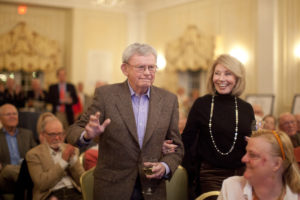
236 126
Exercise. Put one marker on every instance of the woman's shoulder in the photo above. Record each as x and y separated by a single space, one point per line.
235 180
244 104
202 101
204 98
234 187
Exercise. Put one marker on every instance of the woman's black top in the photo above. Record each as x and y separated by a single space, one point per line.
196 137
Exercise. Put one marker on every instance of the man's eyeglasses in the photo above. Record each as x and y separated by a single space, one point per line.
54 135
287 123
143 68
10 114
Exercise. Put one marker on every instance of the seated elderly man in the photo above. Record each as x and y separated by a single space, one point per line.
288 124
14 144
53 165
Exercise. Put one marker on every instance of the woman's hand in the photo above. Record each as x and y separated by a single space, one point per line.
168 147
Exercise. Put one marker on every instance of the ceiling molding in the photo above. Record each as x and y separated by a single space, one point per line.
122 6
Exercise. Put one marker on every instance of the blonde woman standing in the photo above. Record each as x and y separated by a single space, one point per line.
216 127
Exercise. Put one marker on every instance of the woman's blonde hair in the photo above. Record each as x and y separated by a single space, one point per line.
235 66
291 174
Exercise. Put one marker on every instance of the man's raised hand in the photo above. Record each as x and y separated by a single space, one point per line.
94 128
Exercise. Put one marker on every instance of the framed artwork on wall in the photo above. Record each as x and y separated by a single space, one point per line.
266 101
296 104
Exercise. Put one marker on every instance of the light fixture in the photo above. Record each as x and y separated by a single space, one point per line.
108 3
3 77
11 75
161 61
22 9
240 54
297 51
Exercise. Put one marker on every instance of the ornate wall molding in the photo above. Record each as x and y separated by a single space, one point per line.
24 49
191 51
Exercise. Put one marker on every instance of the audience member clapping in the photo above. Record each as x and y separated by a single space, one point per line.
62 96
36 96
53 165
13 94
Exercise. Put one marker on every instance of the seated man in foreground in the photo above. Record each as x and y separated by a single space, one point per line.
54 166
14 144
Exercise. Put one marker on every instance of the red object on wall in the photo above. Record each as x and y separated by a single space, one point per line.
22 9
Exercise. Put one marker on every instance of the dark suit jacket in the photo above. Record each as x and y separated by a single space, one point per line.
25 141
45 174
53 98
120 157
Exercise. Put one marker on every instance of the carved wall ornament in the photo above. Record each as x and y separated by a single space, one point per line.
24 49
191 51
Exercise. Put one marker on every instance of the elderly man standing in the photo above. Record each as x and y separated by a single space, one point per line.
53 165
63 96
14 144
288 124
133 119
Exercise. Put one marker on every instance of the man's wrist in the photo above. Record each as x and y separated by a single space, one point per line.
85 139
82 140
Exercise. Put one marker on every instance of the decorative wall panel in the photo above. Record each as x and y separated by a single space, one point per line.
25 49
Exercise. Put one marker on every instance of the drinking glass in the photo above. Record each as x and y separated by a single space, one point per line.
148 163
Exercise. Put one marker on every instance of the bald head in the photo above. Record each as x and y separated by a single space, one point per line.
9 116
287 123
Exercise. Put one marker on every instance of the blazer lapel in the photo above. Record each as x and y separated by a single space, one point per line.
155 107
4 146
46 155
124 105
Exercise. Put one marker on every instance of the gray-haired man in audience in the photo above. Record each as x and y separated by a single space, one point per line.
288 124
53 165
14 143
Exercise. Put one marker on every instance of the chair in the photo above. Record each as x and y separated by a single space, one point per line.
87 184
177 187
297 155
208 194
81 158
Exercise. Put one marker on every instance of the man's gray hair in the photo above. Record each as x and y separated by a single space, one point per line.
47 121
5 105
139 49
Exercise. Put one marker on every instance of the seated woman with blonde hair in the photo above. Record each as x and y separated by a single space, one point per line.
271 170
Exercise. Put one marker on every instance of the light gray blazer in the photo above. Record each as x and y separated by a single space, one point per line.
45 174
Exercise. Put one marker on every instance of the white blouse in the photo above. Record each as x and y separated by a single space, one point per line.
238 188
